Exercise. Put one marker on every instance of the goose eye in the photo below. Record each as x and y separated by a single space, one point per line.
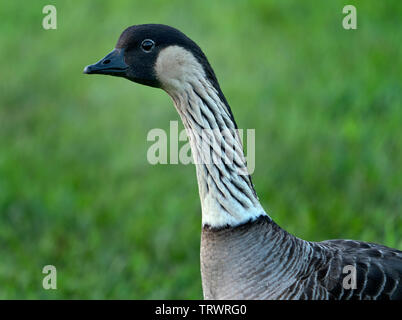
147 45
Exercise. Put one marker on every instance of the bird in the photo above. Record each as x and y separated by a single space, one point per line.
244 254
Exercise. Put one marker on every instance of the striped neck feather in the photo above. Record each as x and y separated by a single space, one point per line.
225 187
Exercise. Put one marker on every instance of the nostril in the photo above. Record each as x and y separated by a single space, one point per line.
106 61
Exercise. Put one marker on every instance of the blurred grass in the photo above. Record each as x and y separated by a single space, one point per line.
77 192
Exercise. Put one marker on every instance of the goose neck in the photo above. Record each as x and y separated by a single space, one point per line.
226 191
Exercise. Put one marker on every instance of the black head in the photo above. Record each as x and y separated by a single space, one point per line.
137 51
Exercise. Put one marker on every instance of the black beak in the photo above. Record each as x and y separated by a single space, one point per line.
113 64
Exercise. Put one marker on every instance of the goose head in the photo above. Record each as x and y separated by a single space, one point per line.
155 55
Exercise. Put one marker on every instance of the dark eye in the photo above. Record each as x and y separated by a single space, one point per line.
147 45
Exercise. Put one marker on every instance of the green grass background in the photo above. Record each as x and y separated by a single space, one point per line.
77 192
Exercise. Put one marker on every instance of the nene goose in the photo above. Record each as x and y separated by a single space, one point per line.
244 253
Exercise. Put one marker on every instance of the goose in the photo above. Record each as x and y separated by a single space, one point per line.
244 254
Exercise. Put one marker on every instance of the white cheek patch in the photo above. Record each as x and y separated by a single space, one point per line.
175 67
